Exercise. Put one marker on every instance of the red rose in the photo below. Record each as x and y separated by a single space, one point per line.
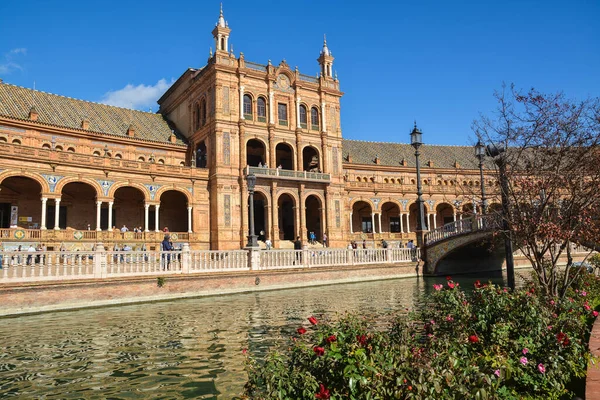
362 339
301 330
244 351
448 278
319 350
323 393
331 339
473 339
477 284
451 285
312 320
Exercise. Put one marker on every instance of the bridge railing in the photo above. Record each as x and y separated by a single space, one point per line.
462 226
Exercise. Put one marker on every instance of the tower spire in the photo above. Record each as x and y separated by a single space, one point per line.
221 33
326 60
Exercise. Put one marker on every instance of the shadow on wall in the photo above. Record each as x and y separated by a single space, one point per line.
487 255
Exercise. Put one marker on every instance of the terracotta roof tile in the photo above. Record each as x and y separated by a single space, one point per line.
392 154
52 109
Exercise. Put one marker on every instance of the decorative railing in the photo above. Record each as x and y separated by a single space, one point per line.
288 174
460 227
255 66
12 237
36 266
308 78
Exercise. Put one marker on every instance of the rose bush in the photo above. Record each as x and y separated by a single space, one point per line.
491 344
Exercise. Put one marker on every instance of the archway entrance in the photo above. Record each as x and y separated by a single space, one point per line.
390 217
362 217
172 212
310 160
287 217
79 199
313 217
255 153
129 208
24 194
260 216
444 214
412 210
284 156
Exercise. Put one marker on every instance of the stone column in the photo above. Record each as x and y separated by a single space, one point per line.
275 217
302 213
434 221
380 229
43 221
189 219
110 206
351 231
98 208
241 102
401 223
156 209
408 222
272 151
323 119
271 114
56 213
146 208
298 112
454 216
373 222
323 222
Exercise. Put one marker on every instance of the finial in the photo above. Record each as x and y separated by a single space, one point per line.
221 13
221 22
269 62
210 53
231 49
415 124
336 78
324 40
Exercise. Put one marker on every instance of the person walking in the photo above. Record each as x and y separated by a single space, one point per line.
166 247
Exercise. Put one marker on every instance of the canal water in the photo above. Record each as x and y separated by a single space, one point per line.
180 349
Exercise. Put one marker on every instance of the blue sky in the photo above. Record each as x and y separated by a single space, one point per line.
438 62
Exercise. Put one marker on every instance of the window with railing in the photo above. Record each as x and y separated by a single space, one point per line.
247 106
282 114
314 118
303 119
261 109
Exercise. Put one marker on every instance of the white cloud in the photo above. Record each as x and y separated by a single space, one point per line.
8 63
140 96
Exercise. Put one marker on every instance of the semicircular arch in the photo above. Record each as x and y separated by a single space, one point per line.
317 195
70 179
369 202
36 177
117 185
164 189
291 194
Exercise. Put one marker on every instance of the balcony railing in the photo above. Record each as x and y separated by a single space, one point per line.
288 174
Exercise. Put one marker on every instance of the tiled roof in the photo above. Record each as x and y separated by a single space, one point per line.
16 102
392 154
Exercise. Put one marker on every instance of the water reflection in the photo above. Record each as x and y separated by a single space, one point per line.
180 349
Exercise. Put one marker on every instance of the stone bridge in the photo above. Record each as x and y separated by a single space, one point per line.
463 246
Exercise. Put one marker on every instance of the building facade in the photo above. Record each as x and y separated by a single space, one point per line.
73 172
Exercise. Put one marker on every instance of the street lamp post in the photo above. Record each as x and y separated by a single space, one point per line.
252 242
416 141
480 154
497 152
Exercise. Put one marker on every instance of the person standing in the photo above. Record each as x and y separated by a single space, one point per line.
165 247
268 243
297 247
324 240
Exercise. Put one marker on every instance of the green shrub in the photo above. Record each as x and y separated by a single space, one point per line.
494 344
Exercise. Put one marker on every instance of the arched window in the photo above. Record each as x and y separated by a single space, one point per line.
96 153
16 141
71 149
118 155
358 179
203 112
314 118
58 148
46 146
261 109
3 139
247 106
161 161
303 120
196 116
182 164
223 44
141 159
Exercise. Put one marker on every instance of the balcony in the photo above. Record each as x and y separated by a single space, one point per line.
285 174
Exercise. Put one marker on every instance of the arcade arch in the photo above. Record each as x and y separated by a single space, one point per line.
286 217
284 156
362 217
255 153
173 212
24 193
310 159
313 218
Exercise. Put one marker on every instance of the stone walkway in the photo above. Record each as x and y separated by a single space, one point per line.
592 385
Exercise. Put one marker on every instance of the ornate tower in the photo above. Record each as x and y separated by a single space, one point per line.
221 33
326 60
